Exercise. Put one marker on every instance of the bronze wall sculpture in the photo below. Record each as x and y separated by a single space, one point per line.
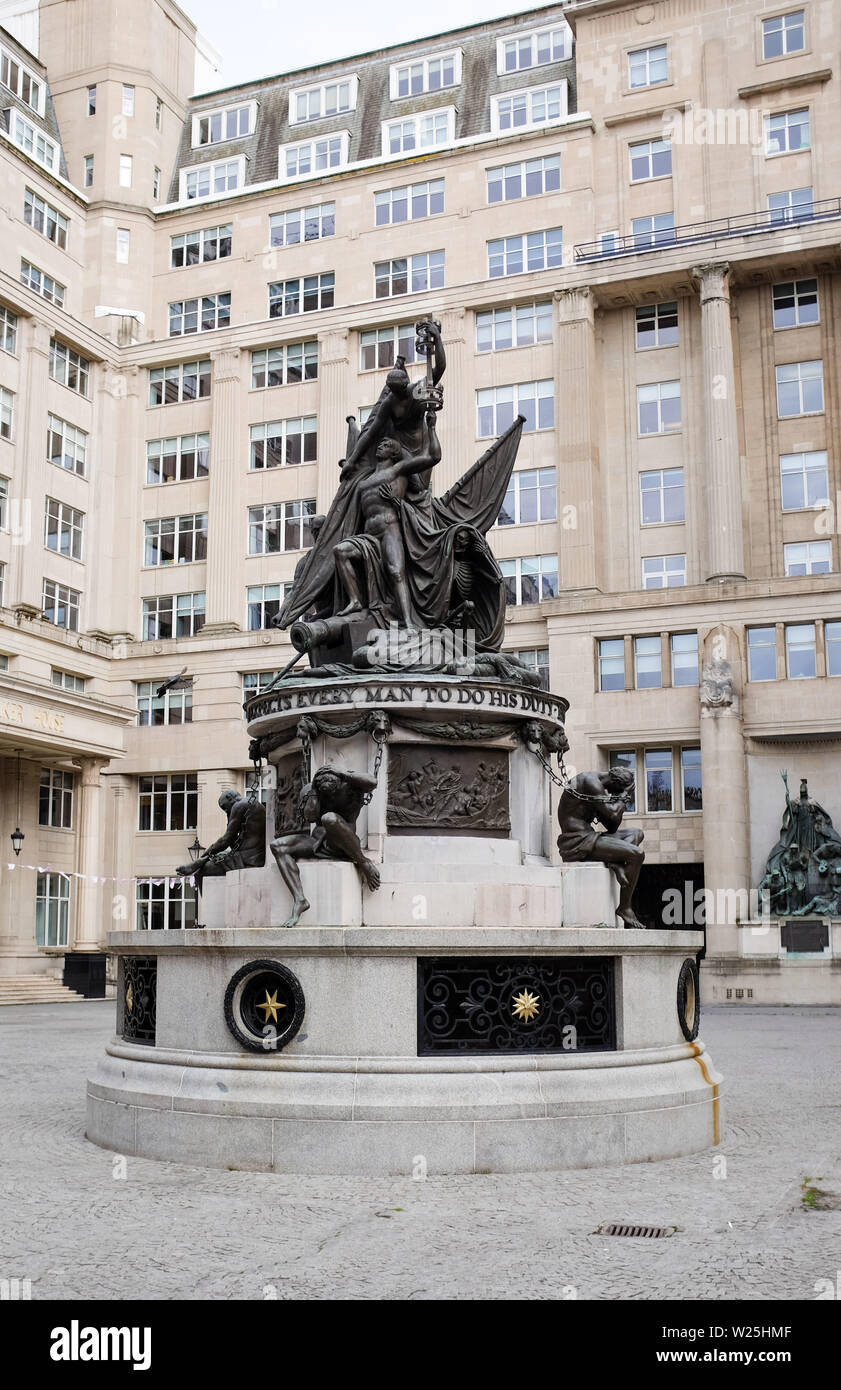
803 871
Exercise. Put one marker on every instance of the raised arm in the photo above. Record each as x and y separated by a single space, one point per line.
439 361
360 781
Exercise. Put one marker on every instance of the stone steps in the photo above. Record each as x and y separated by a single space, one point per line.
35 989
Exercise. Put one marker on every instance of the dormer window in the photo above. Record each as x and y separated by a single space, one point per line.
227 123
425 75
419 132
533 106
326 99
34 143
21 81
534 48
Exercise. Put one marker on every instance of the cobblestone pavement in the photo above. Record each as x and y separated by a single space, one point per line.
173 1232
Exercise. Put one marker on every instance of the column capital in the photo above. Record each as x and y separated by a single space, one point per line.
575 304
40 336
713 279
333 346
227 364
90 769
453 326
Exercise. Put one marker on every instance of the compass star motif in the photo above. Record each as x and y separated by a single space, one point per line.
526 1006
270 1007
129 997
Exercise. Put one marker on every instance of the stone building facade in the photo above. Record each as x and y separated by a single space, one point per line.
626 217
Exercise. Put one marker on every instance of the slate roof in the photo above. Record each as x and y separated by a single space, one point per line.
8 98
472 99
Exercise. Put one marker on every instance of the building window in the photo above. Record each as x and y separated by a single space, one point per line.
168 801
658 780
530 579
44 218
609 242
656 325
35 143
791 206
206 180
534 106
649 232
498 407
508 182
173 707
255 682
66 680
534 49
326 99
313 156
784 33
69 368
626 759
800 651
156 183
650 159
420 132
762 653
409 275
167 904
536 659
91 101
282 443
159 113
380 347
661 496
128 100
231 123
804 480
52 909
799 389
8 330
498 329
648 66
284 366
832 637
535 251
426 75
302 224
409 203
531 496
60 605
194 248
264 601
787 132
63 529
126 165
808 557
302 296
611 663
199 315
664 572
55 799
658 407
7 413
187 611
21 81
123 245
175 540
648 663
183 381
88 171
42 284
274 528
177 460
684 649
690 779
4 500
795 303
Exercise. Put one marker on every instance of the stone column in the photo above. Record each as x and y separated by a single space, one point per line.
30 486
93 910
106 539
725 793
226 523
459 406
335 403
722 464
577 405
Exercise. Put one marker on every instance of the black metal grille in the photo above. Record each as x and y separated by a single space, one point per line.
511 1004
139 998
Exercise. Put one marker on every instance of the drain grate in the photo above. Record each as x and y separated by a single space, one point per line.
650 1232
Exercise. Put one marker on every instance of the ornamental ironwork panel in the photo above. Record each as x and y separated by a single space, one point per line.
513 1004
140 993
448 789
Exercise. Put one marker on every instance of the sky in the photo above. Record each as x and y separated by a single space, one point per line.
259 38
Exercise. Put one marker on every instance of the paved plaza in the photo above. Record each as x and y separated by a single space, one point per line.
751 1220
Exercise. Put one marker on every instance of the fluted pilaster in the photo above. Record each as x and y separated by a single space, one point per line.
722 464
580 523
226 525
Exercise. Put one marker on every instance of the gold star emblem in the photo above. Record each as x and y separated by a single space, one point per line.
129 997
270 1007
526 1006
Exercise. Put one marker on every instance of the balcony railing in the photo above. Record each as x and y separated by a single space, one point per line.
771 220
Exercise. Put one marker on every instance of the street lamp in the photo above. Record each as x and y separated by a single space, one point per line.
17 838
195 850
